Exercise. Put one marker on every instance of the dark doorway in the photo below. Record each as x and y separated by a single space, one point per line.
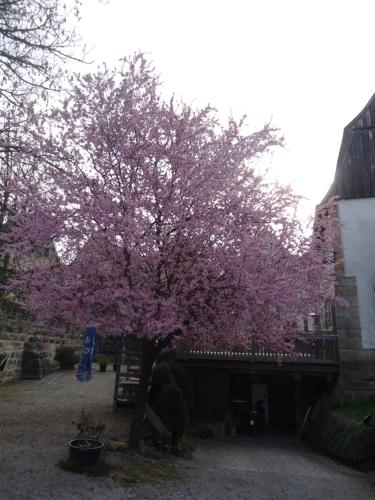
276 392
282 405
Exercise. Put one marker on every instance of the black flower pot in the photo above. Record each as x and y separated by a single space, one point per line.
85 451
102 367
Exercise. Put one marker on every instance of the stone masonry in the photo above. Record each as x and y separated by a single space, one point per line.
356 380
14 332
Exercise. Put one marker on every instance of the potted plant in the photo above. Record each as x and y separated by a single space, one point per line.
85 449
67 357
102 361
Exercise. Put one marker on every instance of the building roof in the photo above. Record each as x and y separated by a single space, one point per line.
355 170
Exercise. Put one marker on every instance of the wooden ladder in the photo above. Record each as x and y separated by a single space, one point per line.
127 385
127 379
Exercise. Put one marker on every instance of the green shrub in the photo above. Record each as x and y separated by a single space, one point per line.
343 437
162 375
102 359
182 380
170 391
172 409
169 371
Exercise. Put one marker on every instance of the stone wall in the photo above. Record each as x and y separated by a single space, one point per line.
15 332
356 380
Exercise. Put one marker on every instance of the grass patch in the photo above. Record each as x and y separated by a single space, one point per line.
357 412
141 470
186 446
100 469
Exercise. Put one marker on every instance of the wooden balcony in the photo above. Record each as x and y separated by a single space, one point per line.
319 348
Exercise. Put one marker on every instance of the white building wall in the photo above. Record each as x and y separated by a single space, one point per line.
358 240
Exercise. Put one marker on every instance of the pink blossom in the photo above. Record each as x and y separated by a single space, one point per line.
161 222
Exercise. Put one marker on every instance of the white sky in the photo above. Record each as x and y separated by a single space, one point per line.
307 65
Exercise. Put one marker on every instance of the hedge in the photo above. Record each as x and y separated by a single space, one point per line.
343 438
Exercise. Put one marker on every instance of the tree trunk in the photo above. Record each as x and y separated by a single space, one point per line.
149 353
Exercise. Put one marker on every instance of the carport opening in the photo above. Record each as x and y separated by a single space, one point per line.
222 399
283 399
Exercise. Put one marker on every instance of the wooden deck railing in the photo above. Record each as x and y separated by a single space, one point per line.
317 348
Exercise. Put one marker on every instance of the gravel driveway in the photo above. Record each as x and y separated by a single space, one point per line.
35 424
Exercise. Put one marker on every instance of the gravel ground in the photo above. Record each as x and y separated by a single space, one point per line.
35 425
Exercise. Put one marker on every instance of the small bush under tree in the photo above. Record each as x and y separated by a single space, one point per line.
172 409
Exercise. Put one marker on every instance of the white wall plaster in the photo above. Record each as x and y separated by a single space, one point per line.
358 239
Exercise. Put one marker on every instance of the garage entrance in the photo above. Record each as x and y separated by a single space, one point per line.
223 398
276 394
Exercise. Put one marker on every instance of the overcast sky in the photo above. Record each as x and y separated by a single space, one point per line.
307 65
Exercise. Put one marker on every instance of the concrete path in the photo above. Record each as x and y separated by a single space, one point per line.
275 469
35 425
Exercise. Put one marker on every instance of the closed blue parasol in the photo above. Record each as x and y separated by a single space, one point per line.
84 373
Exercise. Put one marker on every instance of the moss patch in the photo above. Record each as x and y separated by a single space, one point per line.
145 470
101 468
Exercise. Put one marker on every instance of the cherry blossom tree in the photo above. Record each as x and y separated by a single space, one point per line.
163 225
36 41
